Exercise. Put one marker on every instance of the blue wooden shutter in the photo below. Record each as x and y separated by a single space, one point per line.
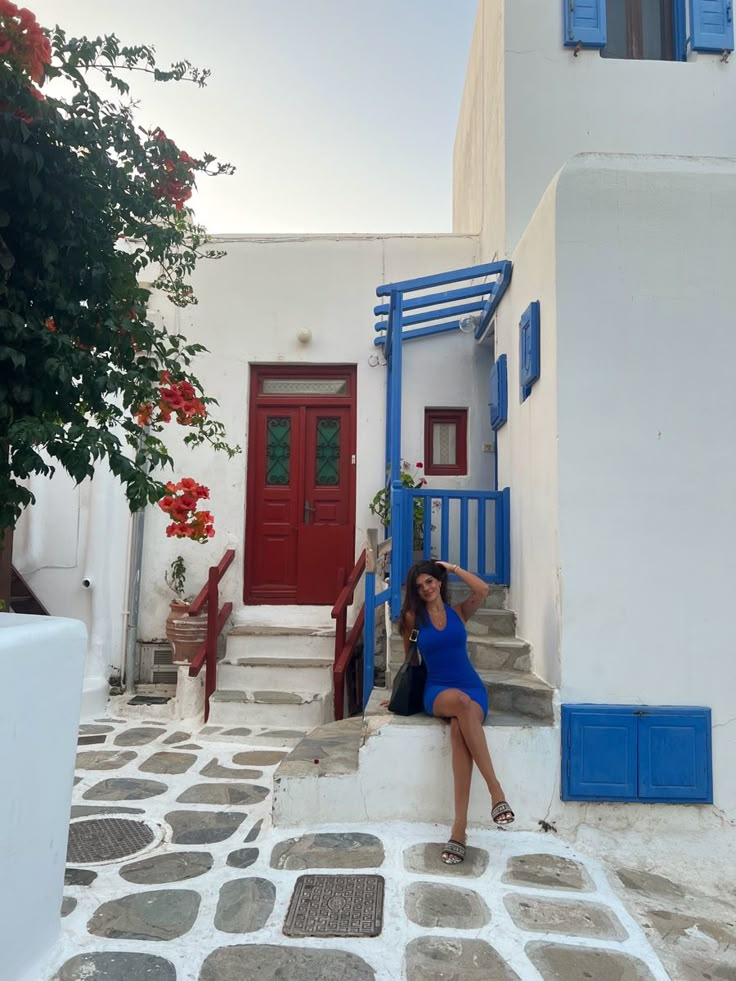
585 22
599 752
711 25
675 756
499 393
529 356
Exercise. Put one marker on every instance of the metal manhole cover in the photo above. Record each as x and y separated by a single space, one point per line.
105 839
336 906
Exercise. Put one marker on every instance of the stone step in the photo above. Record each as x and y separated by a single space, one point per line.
391 768
275 673
484 622
519 693
287 642
486 653
492 623
299 709
496 599
499 653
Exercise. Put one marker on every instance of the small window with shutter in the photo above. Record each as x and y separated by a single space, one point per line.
649 30
445 441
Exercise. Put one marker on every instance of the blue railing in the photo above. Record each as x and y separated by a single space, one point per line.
465 526
469 527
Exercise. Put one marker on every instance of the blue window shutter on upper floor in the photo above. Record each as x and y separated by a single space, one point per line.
599 753
675 756
585 22
711 25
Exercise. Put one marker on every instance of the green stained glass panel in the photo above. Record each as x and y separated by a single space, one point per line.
278 450
327 464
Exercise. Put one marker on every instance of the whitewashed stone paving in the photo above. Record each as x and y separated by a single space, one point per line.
220 918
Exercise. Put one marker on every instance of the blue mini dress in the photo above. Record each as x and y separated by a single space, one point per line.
445 653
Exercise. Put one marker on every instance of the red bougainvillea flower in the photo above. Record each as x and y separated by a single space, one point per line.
50 324
22 40
173 170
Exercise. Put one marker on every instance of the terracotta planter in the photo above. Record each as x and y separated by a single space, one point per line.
185 634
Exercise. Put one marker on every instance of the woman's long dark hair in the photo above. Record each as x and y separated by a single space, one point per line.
413 602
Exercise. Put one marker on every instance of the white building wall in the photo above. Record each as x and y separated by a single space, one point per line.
647 474
556 105
72 549
527 444
251 306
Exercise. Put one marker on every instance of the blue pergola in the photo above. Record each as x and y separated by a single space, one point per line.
425 306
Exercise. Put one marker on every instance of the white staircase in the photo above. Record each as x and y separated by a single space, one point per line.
386 767
277 669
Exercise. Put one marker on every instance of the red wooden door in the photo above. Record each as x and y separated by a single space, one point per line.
300 520
326 537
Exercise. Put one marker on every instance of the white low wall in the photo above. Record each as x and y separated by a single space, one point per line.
42 665
405 774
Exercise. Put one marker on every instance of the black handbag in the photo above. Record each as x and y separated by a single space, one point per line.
407 692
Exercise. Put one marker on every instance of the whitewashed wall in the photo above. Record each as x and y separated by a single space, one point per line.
647 473
251 306
77 533
527 445
542 105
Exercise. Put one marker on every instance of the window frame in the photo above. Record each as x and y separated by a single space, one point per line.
593 35
634 28
446 414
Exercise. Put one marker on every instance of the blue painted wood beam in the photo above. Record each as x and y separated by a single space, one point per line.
435 299
439 279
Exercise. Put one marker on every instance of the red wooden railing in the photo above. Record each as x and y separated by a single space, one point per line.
206 656
344 643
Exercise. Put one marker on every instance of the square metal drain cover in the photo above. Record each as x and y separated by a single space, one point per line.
336 906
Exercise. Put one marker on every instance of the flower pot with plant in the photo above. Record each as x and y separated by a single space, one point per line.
186 634
381 503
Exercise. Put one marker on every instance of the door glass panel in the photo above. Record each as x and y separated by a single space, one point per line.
305 386
278 450
327 464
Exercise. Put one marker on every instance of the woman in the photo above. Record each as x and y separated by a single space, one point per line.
453 690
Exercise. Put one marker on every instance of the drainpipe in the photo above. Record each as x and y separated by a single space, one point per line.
134 595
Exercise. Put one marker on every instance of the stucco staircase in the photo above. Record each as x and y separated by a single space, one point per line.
277 669
385 767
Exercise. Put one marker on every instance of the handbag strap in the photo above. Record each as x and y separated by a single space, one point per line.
413 647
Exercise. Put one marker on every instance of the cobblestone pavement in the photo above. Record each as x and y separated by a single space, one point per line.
178 875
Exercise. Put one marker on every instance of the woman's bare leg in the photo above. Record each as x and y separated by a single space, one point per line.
455 704
462 772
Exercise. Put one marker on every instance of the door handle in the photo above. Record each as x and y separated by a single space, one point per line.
307 511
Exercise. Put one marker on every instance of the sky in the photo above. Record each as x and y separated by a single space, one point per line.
339 115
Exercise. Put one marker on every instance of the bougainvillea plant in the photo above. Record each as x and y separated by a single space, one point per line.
91 203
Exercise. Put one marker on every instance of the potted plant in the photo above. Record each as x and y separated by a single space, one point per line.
381 503
185 633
